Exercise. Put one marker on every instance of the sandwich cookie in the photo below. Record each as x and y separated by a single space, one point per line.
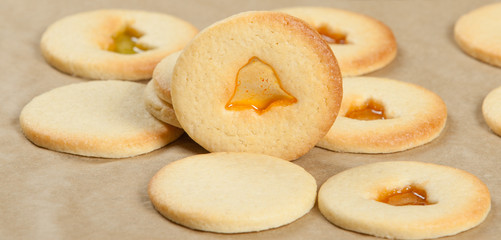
261 82
98 119
232 192
381 115
114 44
405 200
361 43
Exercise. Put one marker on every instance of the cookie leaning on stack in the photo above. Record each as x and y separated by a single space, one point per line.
262 82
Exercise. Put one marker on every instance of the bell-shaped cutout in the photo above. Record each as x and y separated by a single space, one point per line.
258 87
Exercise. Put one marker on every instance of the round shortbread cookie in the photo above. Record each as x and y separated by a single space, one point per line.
477 33
413 116
361 43
99 119
232 192
162 76
491 110
456 200
262 82
159 108
82 44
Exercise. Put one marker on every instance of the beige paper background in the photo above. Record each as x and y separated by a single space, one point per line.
51 195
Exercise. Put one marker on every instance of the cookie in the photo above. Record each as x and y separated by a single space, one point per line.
405 200
159 108
361 43
232 192
98 119
262 82
162 76
491 110
477 34
380 115
114 44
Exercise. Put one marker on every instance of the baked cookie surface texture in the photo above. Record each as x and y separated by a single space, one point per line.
232 192
98 119
114 44
361 43
380 115
261 82
405 200
477 33
491 110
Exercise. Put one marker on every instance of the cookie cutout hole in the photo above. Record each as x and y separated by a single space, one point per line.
125 41
258 87
370 110
331 36
408 195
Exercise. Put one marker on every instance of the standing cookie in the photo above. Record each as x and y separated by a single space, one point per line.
232 192
478 33
98 119
262 82
381 115
405 200
361 44
114 44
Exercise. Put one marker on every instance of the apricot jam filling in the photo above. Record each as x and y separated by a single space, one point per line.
408 195
258 87
330 36
125 42
370 110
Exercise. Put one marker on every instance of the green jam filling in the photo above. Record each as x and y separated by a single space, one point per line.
125 42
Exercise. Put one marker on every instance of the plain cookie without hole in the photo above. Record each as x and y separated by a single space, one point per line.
477 33
232 192
98 119
159 108
491 110
162 77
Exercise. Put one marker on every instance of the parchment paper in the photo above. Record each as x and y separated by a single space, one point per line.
51 195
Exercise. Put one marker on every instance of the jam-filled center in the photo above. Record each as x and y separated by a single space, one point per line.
125 41
258 87
330 36
408 195
370 110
